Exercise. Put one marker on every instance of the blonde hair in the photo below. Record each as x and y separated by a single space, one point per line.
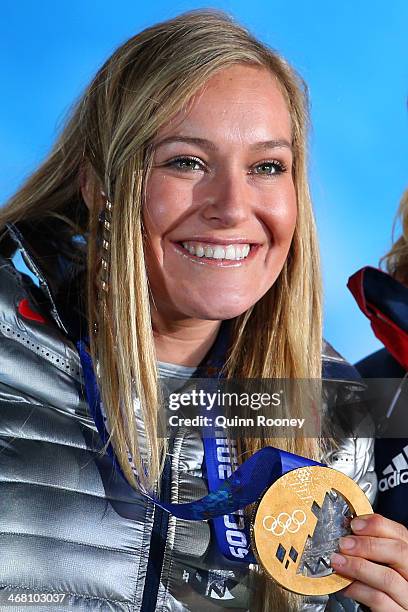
137 91
396 260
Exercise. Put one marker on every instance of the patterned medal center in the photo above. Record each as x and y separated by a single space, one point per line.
333 522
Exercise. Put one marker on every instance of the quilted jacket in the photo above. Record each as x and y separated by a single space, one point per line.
59 533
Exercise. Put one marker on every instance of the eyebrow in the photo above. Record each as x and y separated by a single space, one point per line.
277 143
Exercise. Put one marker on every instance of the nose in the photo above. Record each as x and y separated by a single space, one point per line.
226 200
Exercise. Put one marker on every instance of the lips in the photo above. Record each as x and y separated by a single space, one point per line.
231 252
220 254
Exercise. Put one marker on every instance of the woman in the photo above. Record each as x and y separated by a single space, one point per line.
384 299
175 198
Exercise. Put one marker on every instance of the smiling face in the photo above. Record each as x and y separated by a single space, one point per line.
220 207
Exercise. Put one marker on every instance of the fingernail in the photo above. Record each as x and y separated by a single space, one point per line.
347 543
338 560
358 524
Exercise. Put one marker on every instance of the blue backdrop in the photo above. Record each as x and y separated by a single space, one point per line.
353 56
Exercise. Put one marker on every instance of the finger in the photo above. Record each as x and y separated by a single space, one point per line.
380 577
379 526
374 599
381 550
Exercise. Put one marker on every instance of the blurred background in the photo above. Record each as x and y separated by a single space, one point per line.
353 56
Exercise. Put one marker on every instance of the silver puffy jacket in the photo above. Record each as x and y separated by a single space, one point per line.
58 531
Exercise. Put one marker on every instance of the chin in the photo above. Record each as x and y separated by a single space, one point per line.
218 311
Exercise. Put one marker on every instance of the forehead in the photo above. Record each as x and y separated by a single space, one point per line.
238 103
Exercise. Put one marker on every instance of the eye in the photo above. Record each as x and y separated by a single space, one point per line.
269 168
186 164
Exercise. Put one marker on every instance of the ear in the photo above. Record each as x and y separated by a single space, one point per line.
90 188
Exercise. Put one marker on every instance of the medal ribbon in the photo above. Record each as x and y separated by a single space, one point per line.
228 495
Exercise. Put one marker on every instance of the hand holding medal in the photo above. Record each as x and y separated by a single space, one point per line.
299 555
377 561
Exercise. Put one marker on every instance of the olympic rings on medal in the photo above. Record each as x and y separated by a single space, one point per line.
292 524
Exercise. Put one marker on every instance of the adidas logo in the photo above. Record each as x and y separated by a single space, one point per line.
396 473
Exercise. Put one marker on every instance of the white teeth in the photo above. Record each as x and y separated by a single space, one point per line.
232 252
219 253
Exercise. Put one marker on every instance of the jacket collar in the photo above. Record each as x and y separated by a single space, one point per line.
60 285
384 301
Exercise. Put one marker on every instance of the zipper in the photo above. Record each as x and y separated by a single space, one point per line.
157 545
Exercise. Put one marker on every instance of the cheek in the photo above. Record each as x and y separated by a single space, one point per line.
165 206
290 217
155 210
282 218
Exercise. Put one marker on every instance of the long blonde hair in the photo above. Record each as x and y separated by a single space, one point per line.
396 260
137 91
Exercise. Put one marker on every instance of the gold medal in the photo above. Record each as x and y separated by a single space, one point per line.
297 526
